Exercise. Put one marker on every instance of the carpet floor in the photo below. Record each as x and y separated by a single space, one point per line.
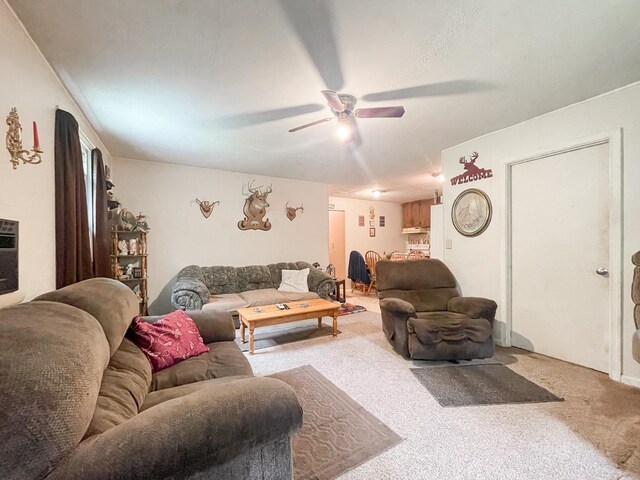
593 434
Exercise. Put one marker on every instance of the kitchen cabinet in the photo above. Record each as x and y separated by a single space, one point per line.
417 214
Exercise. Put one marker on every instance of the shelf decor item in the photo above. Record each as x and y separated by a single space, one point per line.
14 142
471 212
127 220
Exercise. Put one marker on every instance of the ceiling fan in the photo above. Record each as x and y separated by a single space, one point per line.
343 108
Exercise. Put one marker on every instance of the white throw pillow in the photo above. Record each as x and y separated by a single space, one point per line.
294 281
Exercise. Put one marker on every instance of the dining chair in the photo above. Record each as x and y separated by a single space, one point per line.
371 258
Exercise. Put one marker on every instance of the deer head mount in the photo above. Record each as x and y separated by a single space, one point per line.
206 207
255 208
292 212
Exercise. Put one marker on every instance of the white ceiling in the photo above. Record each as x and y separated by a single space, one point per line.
211 83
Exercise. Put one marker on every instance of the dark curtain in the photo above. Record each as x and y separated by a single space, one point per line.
101 226
73 251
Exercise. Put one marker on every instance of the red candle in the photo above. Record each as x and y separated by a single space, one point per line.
36 140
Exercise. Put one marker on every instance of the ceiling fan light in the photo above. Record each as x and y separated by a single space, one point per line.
343 132
376 193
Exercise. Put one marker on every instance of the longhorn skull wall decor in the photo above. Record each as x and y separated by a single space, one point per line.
255 208
292 212
206 207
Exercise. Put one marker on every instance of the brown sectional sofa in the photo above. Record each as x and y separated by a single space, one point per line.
635 296
79 400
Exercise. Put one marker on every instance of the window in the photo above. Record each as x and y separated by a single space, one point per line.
88 182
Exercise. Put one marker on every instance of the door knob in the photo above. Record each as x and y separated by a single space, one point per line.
602 271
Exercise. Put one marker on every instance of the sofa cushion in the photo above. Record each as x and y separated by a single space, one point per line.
123 390
294 281
170 340
109 301
160 396
434 300
52 357
297 297
434 327
229 302
223 359
264 296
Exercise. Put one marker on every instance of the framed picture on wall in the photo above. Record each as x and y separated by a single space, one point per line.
382 220
372 223
372 232
361 221
471 212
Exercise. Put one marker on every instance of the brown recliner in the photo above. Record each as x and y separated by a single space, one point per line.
424 315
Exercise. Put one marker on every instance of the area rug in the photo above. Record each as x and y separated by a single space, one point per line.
461 386
265 338
350 308
337 433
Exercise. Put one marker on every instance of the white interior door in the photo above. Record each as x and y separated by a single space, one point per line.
559 238
337 252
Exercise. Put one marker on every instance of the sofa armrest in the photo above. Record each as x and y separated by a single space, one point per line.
213 325
397 307
187 436
474 307
189 292
320 282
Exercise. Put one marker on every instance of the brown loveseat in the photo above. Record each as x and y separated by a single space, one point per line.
79 401
424 315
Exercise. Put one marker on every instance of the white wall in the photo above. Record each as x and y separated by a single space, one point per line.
181 236
388 238
27 193
478 262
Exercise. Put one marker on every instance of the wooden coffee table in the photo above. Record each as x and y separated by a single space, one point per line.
271 315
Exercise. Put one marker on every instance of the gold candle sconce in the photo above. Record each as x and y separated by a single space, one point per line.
14 142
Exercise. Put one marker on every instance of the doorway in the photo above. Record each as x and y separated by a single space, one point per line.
337 249
563 255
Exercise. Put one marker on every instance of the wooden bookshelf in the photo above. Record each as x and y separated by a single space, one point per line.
124 265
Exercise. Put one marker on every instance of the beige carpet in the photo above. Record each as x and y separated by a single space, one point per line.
593 434
337 434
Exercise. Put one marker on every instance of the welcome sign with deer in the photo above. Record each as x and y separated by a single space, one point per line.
472 171
255 208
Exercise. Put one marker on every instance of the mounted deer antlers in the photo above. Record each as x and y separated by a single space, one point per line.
255 208
291 212
206 207
472 158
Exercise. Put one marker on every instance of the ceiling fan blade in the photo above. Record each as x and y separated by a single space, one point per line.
453 87
263 116
333 100
317 122
313 24
380 112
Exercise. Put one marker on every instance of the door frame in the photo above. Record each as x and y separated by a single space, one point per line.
614 139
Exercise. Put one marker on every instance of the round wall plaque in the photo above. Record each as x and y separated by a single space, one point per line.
471 212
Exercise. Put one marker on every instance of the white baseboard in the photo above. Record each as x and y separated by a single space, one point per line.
633 381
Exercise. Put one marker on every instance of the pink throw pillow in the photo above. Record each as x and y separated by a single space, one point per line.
168 341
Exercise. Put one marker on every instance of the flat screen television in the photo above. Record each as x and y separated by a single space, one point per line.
8 256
